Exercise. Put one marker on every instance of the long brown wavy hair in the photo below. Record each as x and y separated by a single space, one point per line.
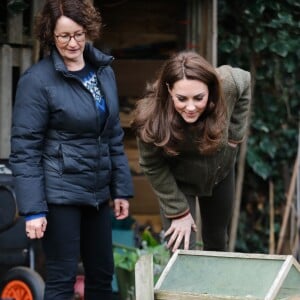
80 11
156 120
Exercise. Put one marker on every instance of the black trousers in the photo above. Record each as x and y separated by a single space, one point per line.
75 232
216 212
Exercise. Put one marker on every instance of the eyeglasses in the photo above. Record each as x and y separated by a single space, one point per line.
66 38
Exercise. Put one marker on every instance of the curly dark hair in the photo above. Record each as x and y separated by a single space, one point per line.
80 11
156 120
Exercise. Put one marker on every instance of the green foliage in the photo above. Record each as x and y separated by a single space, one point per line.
126 257
264 36
148 238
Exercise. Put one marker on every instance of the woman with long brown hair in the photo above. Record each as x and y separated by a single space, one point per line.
188 127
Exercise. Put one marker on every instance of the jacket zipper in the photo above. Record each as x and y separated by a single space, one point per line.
97 119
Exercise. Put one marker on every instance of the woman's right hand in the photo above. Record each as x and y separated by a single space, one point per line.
35 228
180 230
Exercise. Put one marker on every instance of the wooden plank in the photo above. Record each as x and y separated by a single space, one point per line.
238 193
201 34
283 272
288 207
6 54
144 278
233 254
296 264
35 8
22 58
26 59
290 287
15 29
163 295
198 224
166 270
209 13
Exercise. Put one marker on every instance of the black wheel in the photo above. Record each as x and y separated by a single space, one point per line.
22 283
8 208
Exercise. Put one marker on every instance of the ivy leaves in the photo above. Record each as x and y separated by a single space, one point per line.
265 35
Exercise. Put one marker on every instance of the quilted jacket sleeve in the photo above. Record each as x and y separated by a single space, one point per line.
29 123
121 185
241 104
172 201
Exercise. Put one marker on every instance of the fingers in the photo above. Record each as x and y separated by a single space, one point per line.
186 241
176 240
194 227
179 232
169 231
35 233
121 209
35 228
173 241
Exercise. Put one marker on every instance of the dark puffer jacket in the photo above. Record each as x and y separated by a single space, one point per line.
58 153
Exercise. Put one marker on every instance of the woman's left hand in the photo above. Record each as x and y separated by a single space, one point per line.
121 208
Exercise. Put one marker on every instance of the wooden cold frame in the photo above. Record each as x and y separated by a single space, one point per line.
227 275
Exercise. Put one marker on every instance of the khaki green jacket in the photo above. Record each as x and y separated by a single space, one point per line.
191 173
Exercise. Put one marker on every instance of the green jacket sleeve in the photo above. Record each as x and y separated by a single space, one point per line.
172 201
237 90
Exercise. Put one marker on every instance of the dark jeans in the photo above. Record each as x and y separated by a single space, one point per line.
74 232
216 212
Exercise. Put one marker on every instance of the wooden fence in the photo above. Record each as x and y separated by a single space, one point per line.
16 54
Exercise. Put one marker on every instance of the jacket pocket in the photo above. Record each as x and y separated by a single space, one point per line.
74 162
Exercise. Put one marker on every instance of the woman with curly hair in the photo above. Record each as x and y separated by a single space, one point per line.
67 152
188 127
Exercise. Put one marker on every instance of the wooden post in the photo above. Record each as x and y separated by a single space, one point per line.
36 7
238 195
26 59
240 171
15 29
6 54
199 242
279 279
144 287
201 34
272 218
209 30
290 197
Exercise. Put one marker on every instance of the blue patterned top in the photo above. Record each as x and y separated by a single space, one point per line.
88 77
